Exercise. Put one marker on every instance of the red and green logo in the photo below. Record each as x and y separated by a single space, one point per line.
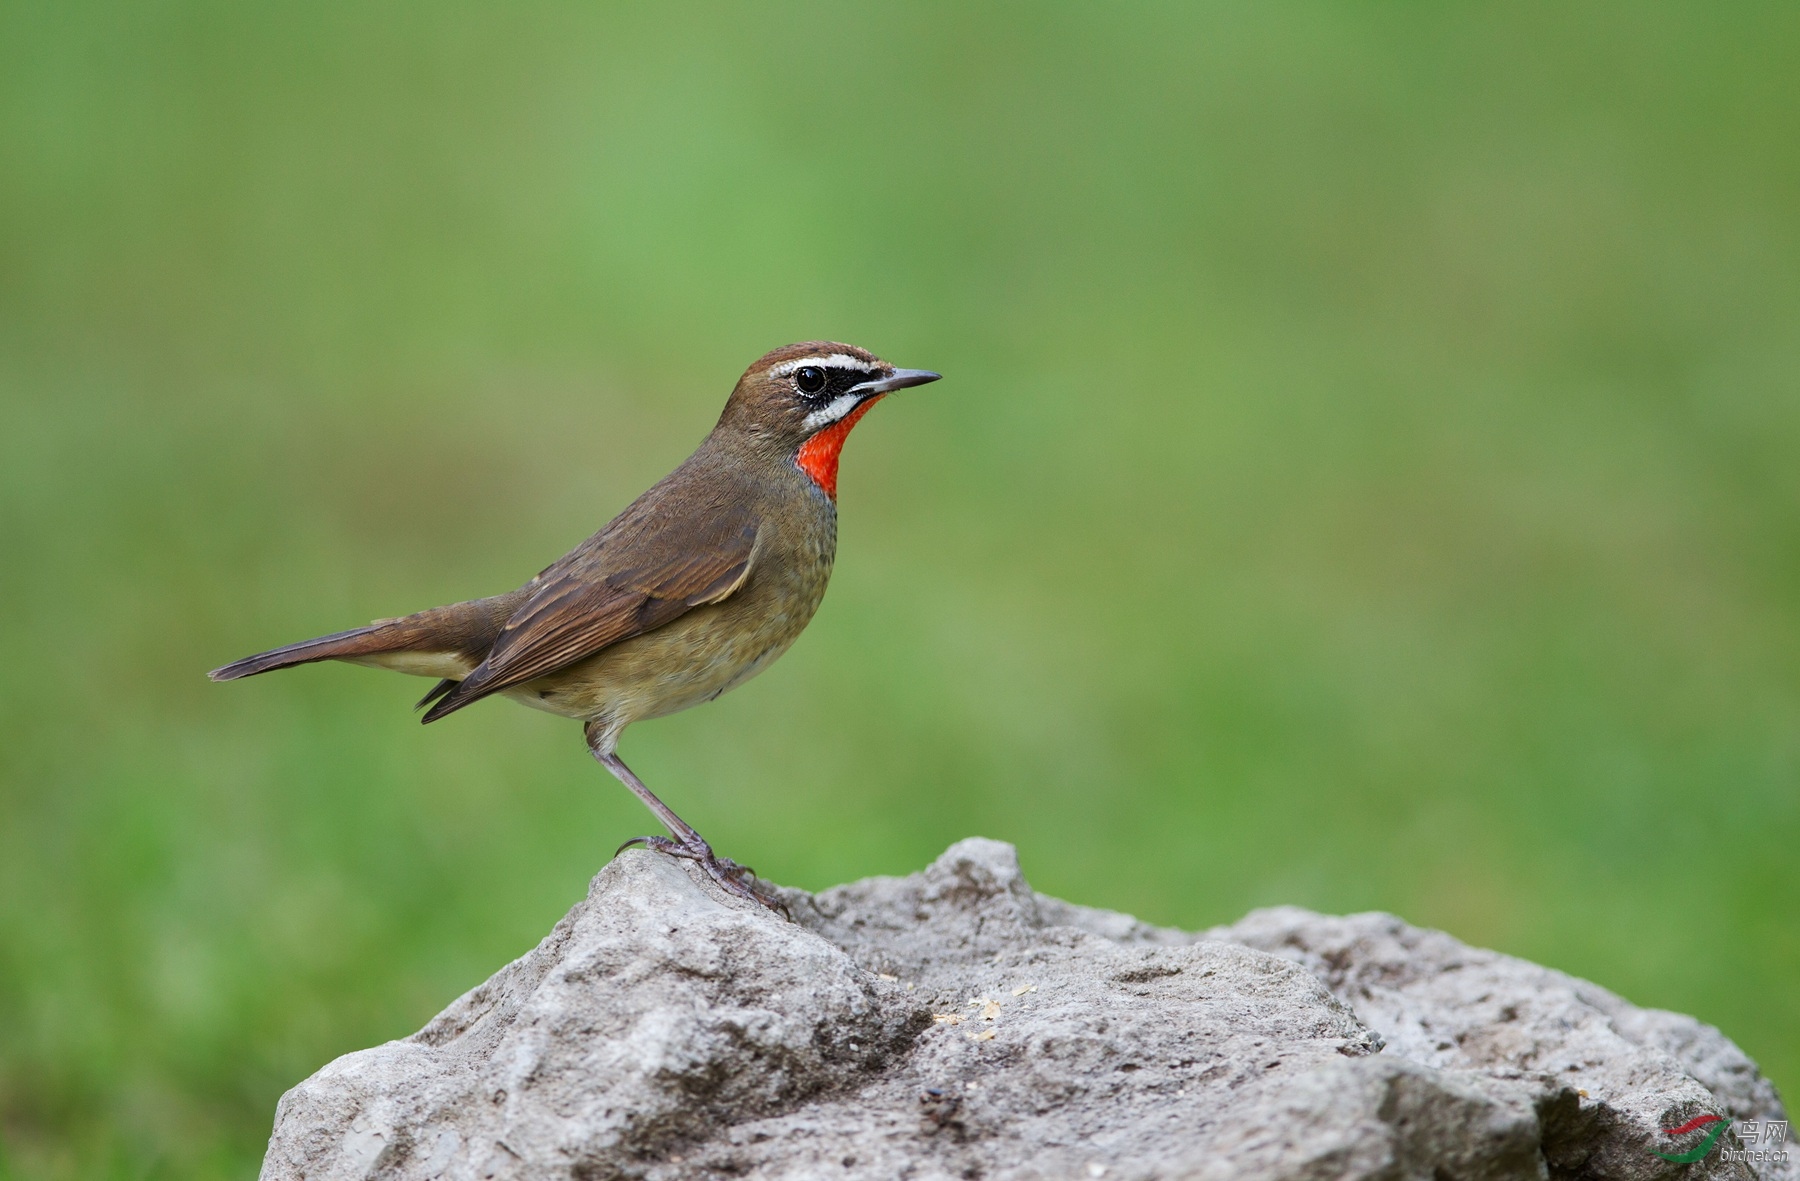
1717 1123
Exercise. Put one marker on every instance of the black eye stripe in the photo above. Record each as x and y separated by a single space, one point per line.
839 380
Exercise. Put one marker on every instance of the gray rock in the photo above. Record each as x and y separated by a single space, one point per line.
955 1024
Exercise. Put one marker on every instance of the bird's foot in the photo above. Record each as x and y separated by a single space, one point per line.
735 879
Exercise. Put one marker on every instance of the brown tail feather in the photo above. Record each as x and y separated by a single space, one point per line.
470 628
361 641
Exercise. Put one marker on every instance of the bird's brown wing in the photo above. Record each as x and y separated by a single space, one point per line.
650 566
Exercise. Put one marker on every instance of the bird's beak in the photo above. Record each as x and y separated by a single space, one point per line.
899 379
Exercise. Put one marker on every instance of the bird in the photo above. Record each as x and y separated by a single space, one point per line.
697 586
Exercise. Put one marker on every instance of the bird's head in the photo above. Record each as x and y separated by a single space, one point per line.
802 399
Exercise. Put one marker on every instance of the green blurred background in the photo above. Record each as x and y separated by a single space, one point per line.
1367 476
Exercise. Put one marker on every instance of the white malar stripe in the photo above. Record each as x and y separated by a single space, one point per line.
827 361
831 411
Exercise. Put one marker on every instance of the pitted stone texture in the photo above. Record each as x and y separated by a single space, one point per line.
1443 1004
955 1024
652 1015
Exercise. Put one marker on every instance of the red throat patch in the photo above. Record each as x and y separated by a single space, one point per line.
818 456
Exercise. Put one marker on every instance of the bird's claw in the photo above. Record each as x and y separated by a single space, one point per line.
735 879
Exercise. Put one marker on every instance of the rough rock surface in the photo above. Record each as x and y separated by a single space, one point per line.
955 1024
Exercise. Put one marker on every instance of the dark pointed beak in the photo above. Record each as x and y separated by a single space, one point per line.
899 379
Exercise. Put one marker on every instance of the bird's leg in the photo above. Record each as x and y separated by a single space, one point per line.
687 842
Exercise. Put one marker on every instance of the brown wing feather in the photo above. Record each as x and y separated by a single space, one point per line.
650 566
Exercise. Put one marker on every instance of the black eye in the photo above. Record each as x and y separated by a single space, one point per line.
810 379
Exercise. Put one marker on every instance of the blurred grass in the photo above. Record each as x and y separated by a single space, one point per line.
1366 478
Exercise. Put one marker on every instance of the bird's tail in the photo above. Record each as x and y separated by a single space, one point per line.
457 635
384 636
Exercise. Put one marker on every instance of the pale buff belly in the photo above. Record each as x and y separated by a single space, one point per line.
685 662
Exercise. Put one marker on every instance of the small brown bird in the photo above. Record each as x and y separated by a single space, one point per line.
692 590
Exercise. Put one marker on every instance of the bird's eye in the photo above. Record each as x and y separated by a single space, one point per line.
809 378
